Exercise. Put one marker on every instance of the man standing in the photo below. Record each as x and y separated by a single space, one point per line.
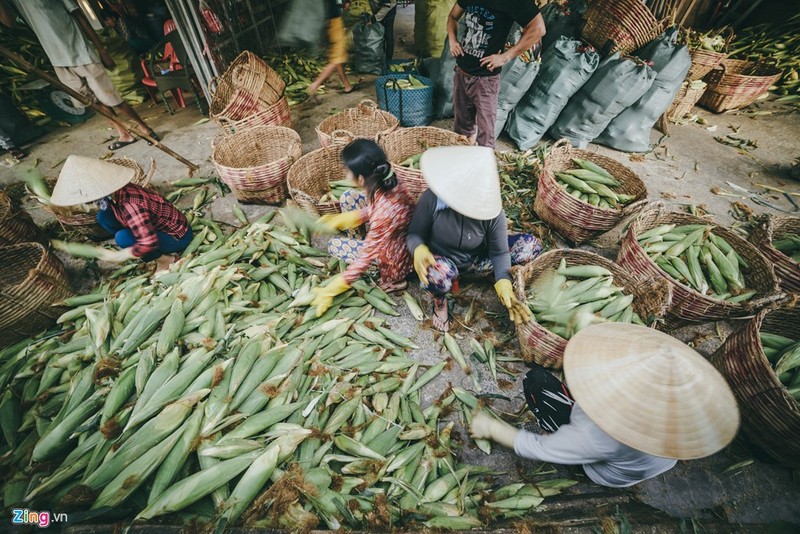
62 30
480 57
385 11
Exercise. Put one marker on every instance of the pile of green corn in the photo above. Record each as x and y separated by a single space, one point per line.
778 44
338 187
22 41
298 70
593 184
412 162
694 256
789 244
211 390
405 83
711 41
784 355
405 66
568 299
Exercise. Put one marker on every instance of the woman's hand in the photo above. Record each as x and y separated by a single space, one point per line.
342 221
517 311
423 260
484 426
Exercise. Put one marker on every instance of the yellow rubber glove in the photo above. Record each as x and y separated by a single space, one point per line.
484 426
342 221
323 295
518 312
423 260
117 256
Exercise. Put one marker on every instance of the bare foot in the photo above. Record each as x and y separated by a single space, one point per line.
441 316
393 287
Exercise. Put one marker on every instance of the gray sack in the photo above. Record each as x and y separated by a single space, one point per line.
630 130
443 73
368 53
566 66
516 78
562 20
302 26
617 83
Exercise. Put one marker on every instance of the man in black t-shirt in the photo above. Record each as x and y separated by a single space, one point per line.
480 57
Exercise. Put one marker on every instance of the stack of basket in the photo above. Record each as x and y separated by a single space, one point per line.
619 26
16 225
363 121
247 95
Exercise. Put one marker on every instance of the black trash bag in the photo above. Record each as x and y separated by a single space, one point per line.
562 19
368 53
516 78
617 83
302 26
566 66
630 130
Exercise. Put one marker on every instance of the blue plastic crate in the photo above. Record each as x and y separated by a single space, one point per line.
413 107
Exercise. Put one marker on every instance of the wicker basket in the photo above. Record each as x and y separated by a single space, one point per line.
770 416
86 223
31 280
690 306
704 61
737 84
786 269
685 101
252 73
16 226
309 176
236 108
652 297
403 143
619 26
574 219
254 163
363 121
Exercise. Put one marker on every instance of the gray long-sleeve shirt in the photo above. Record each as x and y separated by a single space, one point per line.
581 442
459 238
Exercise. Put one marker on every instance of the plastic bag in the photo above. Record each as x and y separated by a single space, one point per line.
436 25
617 83
562 19
368 54
302 26
442 72
630 130
516 78
566 66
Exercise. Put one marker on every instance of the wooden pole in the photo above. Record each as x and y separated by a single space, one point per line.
81 98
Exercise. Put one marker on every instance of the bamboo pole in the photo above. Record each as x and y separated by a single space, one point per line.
81 98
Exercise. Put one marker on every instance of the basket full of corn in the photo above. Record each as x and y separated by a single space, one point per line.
583 194
778 238
715 274
761 362
568 290
317 180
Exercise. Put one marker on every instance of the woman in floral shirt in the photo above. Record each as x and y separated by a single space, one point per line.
386 207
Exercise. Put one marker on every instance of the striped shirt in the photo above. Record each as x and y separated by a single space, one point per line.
146 213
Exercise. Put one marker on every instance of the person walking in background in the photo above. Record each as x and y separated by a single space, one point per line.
480 57
385 11
337 48
62 30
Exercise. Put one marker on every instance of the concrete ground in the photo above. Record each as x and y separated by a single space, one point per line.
682 170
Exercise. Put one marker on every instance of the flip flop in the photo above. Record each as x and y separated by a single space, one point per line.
400 286
116 145
353 87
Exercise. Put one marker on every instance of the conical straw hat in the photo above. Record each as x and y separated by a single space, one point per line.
85 179
649 391
465 178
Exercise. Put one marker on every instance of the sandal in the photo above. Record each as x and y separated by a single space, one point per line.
436 318
17 153
353 87
116 145
394 287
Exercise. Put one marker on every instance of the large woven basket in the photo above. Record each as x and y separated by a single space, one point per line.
254 163
574 219
85 223
651 299
16 226
704 61
403 143
32 279
309 178
252 73
362 121
619 26
235 109
685 101
690 306
737 83
770 416
786 269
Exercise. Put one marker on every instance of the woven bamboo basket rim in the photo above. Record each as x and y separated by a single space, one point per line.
685 100
231 102
402 143
774 227
308 178
250 71
277 114
745 70
16 225
256 147
652 298
628 23
770 415
363 121
759 277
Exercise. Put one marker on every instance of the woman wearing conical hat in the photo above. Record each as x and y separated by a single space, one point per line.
144 225
638 400
459 227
